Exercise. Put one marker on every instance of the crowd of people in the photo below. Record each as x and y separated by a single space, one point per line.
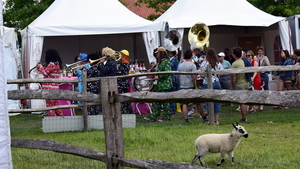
193 60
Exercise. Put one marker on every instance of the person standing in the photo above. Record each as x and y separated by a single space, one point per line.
123 84
93 86
164 82
225 80
83 63
108 66
239 81
263 61
297 80
174 61
255 79
187 82
52 70
212 59
228 56
285 77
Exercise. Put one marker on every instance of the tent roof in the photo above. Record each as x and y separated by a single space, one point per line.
186 13
88 17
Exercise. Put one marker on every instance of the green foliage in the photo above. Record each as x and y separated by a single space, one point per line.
160 6
20 13
275 7
283 8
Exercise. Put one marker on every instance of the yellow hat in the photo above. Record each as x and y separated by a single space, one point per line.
125 52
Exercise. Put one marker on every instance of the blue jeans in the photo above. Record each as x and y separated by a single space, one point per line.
217 86
265 78
176 86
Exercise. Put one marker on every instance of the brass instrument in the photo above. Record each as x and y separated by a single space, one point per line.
34 69
199 35
73 65
116 56
172 40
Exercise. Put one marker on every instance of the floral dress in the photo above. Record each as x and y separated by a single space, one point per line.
93 87
123 86
163 84
51 71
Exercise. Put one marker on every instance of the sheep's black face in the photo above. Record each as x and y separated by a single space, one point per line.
241 130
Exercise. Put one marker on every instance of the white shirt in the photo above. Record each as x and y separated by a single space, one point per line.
215 78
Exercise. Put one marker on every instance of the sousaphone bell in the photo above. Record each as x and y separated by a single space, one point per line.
172 40
199 36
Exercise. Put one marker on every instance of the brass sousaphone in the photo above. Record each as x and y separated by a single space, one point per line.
172 40
199 36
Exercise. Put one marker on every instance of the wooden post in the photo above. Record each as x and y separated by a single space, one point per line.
84 108
210 104
112 119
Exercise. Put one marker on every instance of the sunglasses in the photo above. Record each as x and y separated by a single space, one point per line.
248 55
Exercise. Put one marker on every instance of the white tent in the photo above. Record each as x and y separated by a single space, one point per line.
235 17
86 26
12 63
66 19
5 139
185 13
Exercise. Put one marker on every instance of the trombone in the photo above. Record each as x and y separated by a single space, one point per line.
116 56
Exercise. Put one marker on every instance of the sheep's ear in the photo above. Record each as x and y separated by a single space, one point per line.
234 126
237 124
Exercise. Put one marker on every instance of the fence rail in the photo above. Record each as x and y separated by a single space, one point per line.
110 99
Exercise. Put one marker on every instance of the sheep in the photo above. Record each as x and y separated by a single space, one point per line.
219 143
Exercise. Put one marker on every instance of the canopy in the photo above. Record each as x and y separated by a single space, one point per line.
89 17
185 13
5 140
82 18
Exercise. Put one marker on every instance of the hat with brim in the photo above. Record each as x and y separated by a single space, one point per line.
161 49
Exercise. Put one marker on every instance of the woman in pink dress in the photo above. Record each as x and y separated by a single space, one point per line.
52 70
256 79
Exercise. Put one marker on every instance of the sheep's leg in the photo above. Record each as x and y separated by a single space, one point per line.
231 157
195 159
197 156
222 158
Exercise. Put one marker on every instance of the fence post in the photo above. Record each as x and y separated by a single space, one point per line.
84 108
112 119
210 104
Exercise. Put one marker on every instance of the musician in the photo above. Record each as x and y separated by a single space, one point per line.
52 70
93 86
83 63
123 84
108 66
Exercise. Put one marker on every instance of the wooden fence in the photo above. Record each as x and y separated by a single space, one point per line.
110 99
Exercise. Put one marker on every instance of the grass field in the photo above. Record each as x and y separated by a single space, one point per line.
273 142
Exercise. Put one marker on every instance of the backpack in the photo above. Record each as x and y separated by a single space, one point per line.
247 64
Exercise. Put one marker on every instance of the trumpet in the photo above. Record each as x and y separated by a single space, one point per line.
73 65
116 56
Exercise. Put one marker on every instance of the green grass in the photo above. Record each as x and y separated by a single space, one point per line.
273 142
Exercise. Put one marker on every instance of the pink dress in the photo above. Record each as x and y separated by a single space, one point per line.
51 71
257 79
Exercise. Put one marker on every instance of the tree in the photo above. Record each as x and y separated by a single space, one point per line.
160 6
20 13
275 7
283 8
